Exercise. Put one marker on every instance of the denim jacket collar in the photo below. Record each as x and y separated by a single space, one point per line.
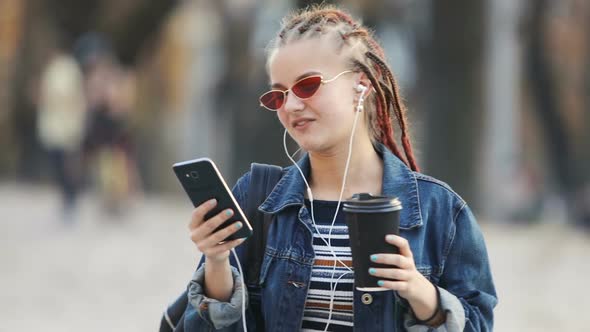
398 181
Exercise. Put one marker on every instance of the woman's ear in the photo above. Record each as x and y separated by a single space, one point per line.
364 81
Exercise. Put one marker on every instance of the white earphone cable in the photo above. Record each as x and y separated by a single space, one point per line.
333 290
243 290
309 193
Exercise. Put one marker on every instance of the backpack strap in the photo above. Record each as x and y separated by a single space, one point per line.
263 179
172 316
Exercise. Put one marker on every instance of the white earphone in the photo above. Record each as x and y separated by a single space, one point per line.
361 89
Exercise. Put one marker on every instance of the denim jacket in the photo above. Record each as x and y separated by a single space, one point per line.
444 237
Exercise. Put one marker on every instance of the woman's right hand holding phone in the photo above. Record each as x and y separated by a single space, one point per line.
203 233
218 275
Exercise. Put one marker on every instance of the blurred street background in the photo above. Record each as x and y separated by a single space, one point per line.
99 98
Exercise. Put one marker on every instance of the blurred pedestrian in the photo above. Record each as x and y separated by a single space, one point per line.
61 123
108 147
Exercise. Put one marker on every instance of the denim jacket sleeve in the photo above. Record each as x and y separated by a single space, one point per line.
217 314
205 314
453 309
468 295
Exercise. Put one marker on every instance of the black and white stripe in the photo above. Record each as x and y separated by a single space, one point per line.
317 306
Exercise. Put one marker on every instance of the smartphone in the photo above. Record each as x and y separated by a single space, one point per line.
202 181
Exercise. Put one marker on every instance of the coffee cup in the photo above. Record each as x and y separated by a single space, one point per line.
369 218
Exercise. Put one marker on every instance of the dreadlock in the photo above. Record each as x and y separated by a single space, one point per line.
367 56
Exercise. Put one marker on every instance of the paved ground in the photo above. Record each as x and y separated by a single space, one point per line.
117 275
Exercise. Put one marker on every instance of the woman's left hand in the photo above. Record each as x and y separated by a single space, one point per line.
410 284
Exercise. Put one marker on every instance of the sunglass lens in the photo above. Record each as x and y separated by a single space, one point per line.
307 87
273 99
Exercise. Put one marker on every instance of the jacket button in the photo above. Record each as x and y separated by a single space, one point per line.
367 298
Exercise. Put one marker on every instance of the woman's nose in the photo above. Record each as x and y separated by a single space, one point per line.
293 103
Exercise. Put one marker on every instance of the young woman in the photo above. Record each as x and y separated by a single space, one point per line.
334 94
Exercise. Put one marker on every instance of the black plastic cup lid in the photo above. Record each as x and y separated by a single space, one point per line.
365 202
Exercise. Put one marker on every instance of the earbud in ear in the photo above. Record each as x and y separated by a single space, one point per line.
361 89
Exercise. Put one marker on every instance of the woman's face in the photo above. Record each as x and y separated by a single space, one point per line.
323 122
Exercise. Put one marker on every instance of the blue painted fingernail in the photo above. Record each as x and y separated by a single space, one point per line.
389 237
228 213
374 258
372 271
380 283
238 225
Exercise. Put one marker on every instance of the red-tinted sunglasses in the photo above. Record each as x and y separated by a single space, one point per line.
305 88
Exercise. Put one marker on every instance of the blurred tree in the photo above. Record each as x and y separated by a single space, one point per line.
450 86
235 89
22 115
131 29
11 18
544 91
128 24
554 54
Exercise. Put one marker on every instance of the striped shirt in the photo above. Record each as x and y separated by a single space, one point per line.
317 305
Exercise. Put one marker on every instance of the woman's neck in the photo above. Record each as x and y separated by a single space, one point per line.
365 172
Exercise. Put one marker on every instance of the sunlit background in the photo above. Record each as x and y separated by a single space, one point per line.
99 98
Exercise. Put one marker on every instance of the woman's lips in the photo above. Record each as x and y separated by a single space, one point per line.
301 123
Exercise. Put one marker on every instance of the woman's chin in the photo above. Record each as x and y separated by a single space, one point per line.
314 146
312 143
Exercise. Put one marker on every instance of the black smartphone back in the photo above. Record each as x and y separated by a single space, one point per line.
202 181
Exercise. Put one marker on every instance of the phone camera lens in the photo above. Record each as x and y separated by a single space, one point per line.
194 175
